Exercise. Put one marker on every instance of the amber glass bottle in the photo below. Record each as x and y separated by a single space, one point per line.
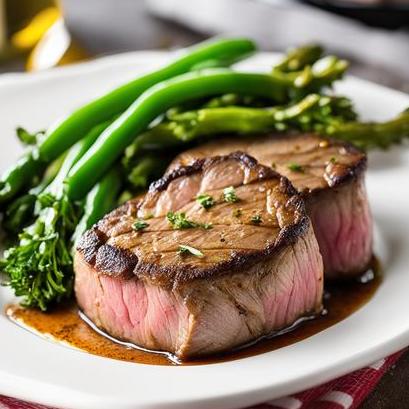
36 28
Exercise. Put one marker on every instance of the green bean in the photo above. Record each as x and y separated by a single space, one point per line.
221 52
99 201
65 133
155 101
21 210
20 175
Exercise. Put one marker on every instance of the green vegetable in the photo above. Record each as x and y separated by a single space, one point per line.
205 200
179 221
229 195
371 135
152 103
295 167
298 58
104 195
40 266
20 211
184 250
65 133
322 73
332 116
183 88
228 100
20 175
295 61
99 201
27 138
146 169
312 113
140 224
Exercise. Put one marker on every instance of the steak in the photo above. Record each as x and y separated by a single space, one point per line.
253 268
330 176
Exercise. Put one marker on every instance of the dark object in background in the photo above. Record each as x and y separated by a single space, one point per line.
389 15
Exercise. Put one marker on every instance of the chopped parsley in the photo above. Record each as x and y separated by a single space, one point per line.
186 250
230 195
140 224
205 200
295 167
333 159
179 222
256 219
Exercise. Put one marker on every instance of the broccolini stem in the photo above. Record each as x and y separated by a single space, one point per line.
324 115
241 120
371 135
297 58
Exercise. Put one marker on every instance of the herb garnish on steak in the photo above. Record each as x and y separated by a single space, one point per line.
330 176
250 281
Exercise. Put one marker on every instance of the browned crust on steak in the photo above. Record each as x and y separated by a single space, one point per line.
339 173
124 264
199 164
89 244
114 261
333 174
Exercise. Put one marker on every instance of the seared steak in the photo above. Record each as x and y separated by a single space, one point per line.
253 266
330 177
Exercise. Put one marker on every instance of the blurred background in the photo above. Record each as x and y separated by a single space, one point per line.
40 34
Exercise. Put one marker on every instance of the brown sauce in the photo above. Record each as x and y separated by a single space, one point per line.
64 325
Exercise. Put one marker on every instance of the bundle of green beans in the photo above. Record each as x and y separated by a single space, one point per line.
108 150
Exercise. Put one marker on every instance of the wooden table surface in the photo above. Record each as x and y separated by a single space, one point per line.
134 29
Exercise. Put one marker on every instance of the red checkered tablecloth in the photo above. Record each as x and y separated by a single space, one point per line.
347 392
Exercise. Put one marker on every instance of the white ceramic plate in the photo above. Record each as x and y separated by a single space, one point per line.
34 369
